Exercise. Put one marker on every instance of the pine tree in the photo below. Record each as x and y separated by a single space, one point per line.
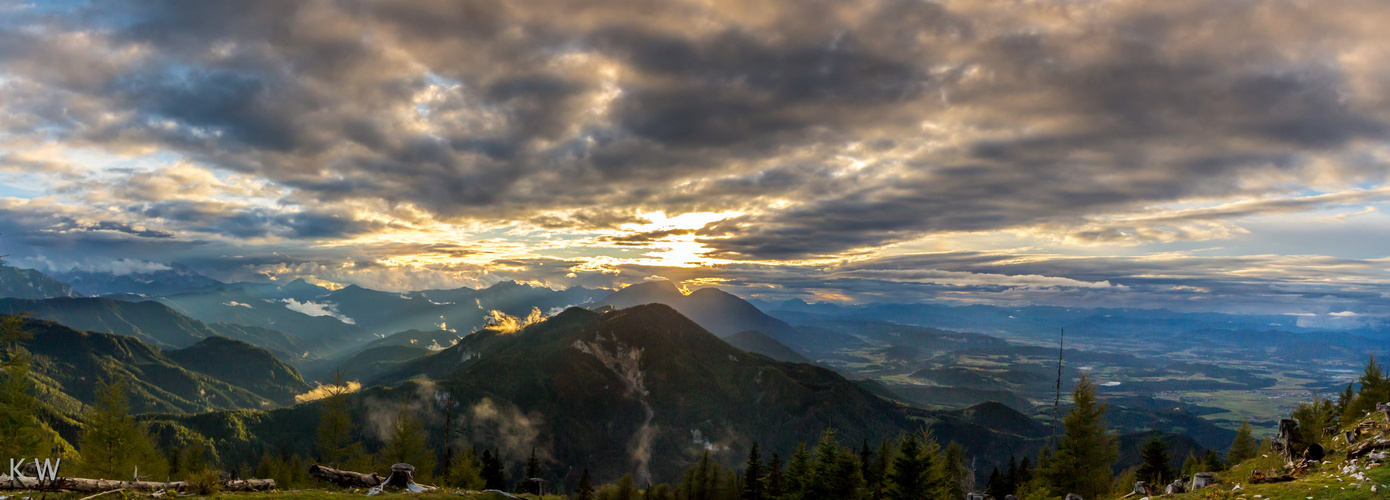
701 481
877 476
1375 388
1025 474
1011 476
1086 450
995 486
1243 447
1154 468
113 444
662 492
773 487
533 471
1191 464
337 442
493 474
835 472
1211 462
1344 399
627 489
908 477
753 476
585 489
407 444
798 474
21 434
466 471
1312 419
951 472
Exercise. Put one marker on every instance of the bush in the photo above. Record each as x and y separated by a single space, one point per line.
207 482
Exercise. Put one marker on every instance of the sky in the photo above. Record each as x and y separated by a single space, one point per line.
1190 154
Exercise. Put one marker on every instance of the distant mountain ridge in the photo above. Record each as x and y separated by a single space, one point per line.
31 284
151 322
175 279
721 313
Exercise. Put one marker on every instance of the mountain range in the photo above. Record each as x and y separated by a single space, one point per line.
645 380
31 284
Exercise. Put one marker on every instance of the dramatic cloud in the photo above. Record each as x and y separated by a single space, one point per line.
1055 150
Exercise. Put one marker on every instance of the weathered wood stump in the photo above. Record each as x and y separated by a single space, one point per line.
345 478
403 478
1141 489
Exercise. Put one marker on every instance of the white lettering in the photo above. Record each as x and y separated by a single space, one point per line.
48 471
15 473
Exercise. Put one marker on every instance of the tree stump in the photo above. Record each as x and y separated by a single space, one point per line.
403 478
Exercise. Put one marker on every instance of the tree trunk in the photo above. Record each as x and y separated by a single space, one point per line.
83 485
344 478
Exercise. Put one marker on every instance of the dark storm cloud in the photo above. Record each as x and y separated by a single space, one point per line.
835 128
1131 105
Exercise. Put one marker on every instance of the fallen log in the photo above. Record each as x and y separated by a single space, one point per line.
1367 447
344 478
84 485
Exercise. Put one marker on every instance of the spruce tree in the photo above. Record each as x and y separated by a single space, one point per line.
996 486
835 473
113 443
466 471
627 489
877 477
773 485
533 470
1086 450
908 477
1243 447
1154 468
21 434
493 474
1312 418
866 462
798 473
407 444
951 472
1025 473
753 476
1211 462
1375 388
1191 464
1011 476
337 443
585 489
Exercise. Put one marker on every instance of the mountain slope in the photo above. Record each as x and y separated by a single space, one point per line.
374 362
151 322
31 284
719 312
287 348
243 365
755 342
432 340
648 380
68 363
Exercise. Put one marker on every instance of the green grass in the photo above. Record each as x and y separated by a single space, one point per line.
1324 482
307 494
